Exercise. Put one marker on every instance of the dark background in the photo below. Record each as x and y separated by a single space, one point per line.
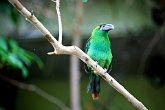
138 46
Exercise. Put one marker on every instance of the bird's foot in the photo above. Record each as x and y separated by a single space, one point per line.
105 71
96 64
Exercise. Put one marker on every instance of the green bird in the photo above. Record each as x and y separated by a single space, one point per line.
98 47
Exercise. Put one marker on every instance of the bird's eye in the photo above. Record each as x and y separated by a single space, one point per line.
102 25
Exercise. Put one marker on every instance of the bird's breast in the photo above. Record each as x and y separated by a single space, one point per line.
98 52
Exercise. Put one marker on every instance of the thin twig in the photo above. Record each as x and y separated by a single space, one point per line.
37 90
73 50
59 19
150 46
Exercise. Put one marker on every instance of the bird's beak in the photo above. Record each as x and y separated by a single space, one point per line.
107 27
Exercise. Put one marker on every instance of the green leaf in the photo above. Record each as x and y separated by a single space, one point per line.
3 51
15 16
2 108
3 44
3 55
21 53
13 45
17 57
23 56
84 1
35 59
16 63
24 72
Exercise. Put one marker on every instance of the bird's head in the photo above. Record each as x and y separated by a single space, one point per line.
106 27
102 29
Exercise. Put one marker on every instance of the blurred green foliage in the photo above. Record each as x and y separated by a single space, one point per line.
84 0
12 55
2 108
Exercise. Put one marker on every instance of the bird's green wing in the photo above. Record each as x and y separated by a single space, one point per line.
87 45
87 70
108 64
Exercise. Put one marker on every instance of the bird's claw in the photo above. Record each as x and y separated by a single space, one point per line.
32 12
105 71
96 64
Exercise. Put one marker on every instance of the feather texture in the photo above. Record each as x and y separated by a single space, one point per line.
98 47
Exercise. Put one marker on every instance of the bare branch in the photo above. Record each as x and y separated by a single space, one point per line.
33 20
37 90
150 46
59 19
73 50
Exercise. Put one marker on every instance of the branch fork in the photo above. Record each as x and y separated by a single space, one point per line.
74 50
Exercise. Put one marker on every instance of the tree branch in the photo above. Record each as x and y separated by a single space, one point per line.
150 47
37 90
73 50
59 19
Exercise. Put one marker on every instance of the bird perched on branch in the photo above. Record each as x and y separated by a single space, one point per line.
98 47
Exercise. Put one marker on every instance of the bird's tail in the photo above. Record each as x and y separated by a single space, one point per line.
94 86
